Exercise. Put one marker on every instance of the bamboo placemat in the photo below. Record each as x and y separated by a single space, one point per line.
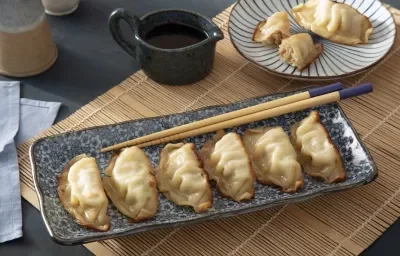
343 223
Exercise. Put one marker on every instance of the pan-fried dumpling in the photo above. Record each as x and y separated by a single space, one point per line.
337 22
81 193
181 178
273 29
317 153
226 161
131 185
273 157
299 50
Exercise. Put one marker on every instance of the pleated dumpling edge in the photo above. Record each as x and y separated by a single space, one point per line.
131 185
337 22
81 192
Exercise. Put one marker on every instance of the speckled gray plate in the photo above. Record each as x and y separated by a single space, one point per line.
49 156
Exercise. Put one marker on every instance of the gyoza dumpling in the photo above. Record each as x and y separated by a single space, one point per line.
81 193
273 157
181 178
226 161
299 50
317 153
273 29
131 185
337 22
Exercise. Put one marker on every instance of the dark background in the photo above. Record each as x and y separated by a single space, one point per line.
89 64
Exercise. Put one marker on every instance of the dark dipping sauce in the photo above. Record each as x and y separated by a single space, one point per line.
174 35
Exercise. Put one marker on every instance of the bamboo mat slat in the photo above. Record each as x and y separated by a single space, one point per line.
343 223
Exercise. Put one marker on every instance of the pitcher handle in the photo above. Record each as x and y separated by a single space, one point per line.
114 24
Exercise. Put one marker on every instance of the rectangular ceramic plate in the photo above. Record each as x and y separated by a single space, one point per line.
49 156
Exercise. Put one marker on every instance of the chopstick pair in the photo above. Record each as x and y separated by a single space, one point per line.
311 98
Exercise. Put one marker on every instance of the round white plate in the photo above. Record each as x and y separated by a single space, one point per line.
336 61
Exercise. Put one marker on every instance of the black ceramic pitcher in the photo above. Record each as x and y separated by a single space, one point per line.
168 66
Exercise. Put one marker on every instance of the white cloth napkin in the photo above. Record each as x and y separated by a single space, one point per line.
20 119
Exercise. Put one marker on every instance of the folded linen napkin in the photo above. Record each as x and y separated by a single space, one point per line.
20 119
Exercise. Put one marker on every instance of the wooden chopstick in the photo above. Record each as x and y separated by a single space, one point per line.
293 107
314 92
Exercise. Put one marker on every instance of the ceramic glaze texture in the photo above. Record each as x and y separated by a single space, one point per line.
176 68
50 155
26 45
335 61
60 7
169 66
179 66
19 16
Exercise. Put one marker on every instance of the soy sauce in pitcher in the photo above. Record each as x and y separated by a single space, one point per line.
174 35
